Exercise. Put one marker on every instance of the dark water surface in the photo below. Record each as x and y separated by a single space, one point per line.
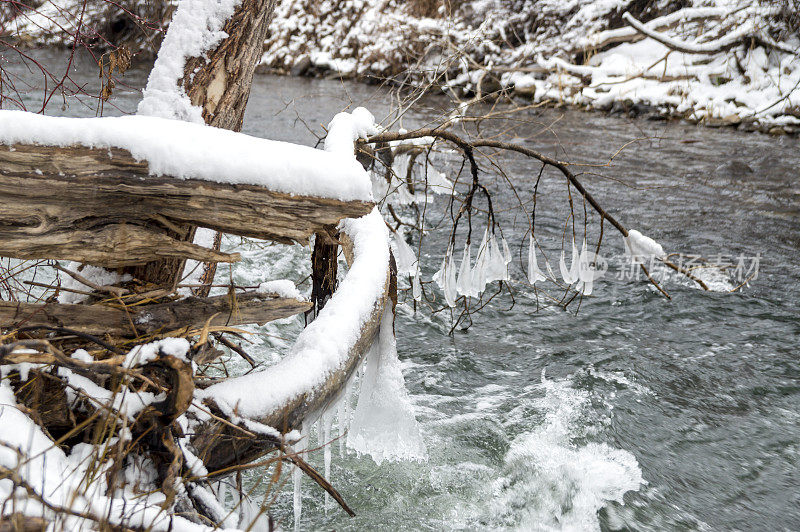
543 420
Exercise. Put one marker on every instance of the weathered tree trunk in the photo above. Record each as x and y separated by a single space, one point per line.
219 82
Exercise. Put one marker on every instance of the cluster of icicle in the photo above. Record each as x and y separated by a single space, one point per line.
382 425
407 263
583 271
491 264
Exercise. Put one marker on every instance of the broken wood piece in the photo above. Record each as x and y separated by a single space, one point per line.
192 312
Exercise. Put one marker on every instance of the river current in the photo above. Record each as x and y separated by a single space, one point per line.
635 413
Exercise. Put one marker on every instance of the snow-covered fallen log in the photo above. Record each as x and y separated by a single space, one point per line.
106 191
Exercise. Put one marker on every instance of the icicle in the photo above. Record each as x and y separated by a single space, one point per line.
440 276
585 274
416 287
589 272
222 493
549 269
574 268
464 283
404 255
498 269
479 272
565 273
446 277
297 476
506 251
437 181
534 273
341 415
383 424
327 420
450 293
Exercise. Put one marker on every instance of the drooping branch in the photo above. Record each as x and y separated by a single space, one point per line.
468 147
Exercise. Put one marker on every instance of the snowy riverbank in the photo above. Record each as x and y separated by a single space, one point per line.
720 63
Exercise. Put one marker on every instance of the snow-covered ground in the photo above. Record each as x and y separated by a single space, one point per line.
581 52
718 62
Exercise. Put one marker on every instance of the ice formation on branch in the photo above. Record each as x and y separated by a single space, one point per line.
491 264
464 284
534 273
570 275
642 249
446 277
589 270
384 426
404 255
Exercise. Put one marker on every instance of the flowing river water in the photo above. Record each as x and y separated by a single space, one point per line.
636 413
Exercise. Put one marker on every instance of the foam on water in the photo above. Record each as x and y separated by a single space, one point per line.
551 482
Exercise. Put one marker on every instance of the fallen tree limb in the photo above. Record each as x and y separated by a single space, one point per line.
123 214
192 312
606 38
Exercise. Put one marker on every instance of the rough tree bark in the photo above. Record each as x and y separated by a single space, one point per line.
219 82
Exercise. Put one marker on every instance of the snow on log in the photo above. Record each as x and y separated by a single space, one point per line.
728 41
606 38
192 151
193 312
103 191
322 360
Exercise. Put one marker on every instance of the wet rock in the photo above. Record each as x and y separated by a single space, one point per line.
641 109
732 120
728 121
490 83
749 124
